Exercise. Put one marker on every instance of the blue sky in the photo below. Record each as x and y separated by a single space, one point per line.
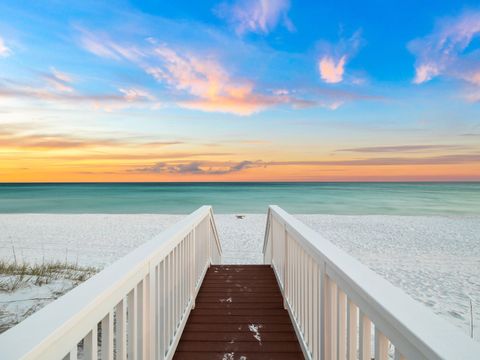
200 78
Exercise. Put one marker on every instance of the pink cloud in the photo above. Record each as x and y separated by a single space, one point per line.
443 52
257 16
331 71
334 57
212 87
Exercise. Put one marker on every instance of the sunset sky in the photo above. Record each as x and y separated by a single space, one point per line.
246 90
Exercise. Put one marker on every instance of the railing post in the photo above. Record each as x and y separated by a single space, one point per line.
209 241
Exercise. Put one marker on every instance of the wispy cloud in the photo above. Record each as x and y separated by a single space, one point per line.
4 50
59 90
444 51
134 94
101 45
59 80
24 138
334 57
256 16
401 148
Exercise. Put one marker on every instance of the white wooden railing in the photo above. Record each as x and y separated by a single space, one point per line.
136 308
342 310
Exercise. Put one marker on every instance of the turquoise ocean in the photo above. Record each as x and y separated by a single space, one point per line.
300 198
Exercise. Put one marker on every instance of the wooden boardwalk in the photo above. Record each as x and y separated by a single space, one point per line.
239 315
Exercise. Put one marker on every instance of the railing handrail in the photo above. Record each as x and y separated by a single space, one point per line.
402 319
55 321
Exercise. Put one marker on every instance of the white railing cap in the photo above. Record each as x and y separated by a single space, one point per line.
427 332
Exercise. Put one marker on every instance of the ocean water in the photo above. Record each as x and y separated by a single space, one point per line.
298 198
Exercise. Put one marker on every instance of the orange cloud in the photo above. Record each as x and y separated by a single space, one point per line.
212 87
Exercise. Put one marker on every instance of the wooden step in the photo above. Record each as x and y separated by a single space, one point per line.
239 314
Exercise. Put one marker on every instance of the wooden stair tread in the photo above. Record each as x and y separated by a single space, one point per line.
239 314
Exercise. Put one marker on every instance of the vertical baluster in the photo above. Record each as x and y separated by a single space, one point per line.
185 274
352 330
168 301
194 267
334 321
285 271
152 316
140 318
297 283
182 277
328 333
342 324
174 291
315 301
107 337
288 292
322 337
161 310
381 345
303 292
121 330
179 298
90 345
310 303
132 324
177 288
293 283
188 264
147 329
365 337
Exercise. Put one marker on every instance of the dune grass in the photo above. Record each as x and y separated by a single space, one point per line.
14 275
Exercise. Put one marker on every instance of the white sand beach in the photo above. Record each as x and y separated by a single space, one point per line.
435 259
